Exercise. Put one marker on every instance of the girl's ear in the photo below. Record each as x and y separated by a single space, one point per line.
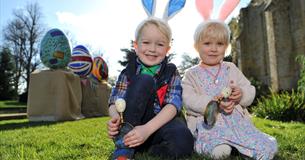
169 47
195 46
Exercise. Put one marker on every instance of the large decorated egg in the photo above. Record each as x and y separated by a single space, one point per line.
55 51
99 69
81 61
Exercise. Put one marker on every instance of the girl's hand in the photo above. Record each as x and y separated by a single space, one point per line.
113 126
136 136
227 107
236 94
218 98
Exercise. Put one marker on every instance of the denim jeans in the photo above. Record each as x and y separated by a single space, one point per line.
173 140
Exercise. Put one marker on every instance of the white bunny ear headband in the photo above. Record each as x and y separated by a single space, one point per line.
205 7
172 8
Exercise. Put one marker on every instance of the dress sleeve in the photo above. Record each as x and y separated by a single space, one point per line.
193 99
248 90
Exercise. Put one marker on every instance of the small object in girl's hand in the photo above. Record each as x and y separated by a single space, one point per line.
210 113
212 109
226 92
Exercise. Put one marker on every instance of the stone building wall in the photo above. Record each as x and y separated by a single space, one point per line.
272 35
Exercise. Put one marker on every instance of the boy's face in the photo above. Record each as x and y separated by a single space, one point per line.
211 51
152 46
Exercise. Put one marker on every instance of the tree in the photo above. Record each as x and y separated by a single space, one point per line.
7 90
228 58
23 34
187 62
15 36
235 33
112 80
129 53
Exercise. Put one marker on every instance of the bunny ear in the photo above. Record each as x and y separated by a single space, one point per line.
204 7
227 8
172 8
149 7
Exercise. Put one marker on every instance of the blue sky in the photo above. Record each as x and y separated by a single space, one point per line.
106 26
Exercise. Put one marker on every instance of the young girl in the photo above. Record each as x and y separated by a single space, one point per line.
157 129
204 83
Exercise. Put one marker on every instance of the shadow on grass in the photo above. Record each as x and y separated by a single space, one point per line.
14 103
19 125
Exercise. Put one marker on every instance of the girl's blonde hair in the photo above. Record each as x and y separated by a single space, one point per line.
162 26
212 29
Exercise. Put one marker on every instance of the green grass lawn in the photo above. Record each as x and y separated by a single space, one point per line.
87 139
11 104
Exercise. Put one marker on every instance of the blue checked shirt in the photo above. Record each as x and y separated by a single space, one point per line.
173 95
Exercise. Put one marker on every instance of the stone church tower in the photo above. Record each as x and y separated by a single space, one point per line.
272 34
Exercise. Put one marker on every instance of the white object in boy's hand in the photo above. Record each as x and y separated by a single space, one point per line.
226 92
120 105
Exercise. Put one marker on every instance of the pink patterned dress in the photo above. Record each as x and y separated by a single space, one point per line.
234 129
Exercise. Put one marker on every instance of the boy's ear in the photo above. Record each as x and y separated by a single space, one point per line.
135 44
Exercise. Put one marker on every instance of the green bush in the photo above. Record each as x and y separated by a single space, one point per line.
283 106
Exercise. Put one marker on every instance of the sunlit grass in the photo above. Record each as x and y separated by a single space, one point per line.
84 139
87 139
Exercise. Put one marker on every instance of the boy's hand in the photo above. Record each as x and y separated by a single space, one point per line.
137 136
113 126
236 94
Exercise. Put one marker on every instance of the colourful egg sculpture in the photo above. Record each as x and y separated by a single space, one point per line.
99 69
81 61
55 51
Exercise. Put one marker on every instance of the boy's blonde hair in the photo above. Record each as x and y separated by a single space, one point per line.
162 26
212 30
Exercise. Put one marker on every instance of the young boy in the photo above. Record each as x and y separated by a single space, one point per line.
152 90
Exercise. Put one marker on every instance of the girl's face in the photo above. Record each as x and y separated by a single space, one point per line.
152 46
211 51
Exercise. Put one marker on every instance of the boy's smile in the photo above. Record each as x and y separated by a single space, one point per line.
151 57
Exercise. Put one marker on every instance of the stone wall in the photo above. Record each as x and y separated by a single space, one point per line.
272 35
